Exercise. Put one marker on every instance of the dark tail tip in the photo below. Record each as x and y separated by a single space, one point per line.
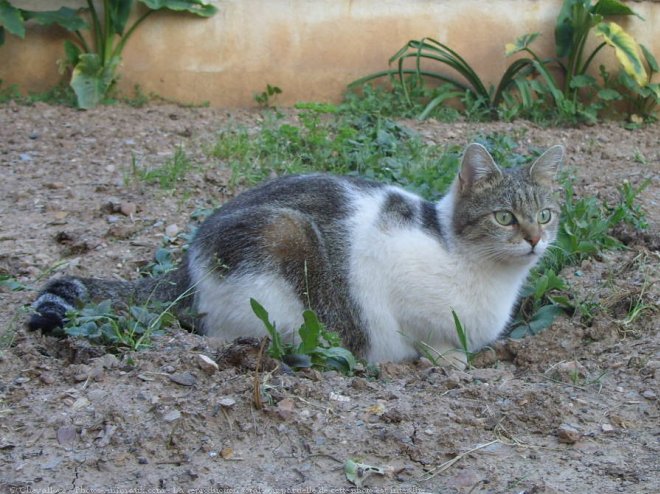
45 321
55 300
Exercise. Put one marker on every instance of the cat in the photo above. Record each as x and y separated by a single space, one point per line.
379 265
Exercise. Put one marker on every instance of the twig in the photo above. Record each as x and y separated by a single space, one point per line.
446 465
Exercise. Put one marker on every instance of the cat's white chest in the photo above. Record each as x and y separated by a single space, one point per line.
407 283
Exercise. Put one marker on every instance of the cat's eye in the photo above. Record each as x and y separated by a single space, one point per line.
505 218
544 216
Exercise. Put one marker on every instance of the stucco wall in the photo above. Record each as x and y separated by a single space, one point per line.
309 48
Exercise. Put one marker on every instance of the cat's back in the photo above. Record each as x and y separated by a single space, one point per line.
321 195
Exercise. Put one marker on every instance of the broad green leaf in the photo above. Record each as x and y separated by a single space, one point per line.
339 358
197 7
276 349
650 59
582 80
11 19
612 7
309 332
120 10
544 317
71 52
609 94
64 17
626 49
520 44
572 11
91 80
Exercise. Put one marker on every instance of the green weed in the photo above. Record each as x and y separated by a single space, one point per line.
329 139
166 176
263 99
131 328
11 283
318 347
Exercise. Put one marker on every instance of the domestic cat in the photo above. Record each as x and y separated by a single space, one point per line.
379 265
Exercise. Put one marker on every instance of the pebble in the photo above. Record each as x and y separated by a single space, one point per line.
227 402
128 208
171 230
568 434
207 364
66 434
649 395
172 415
607 427
184 378
54 185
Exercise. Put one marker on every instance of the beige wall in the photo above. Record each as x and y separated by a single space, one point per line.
309 48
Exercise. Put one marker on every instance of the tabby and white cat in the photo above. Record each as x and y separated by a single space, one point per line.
379 265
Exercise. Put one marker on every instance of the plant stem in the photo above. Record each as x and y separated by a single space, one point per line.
96 27
120 46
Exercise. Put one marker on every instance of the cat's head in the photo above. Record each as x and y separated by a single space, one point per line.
507 215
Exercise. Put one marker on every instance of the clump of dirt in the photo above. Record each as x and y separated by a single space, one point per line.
573 409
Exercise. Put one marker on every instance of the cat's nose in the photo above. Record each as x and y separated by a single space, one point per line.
533 240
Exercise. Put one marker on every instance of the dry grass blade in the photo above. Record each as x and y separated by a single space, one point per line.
446 465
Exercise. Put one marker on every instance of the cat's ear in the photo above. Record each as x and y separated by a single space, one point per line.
544 169
477 164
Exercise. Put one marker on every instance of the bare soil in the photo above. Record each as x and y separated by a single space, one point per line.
572 410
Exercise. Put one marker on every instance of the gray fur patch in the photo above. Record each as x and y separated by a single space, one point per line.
51 298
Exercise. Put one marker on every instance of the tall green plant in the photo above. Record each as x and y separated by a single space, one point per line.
95 55
576 20
427 50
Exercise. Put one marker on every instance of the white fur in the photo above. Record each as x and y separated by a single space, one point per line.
407 282
225 303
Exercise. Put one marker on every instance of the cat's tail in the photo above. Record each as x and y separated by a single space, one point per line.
67 293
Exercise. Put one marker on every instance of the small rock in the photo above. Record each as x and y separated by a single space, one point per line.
568 434
649 395
226 453
207 364
171 230
227 402
81 402
66 434
184 378
96 395
127 208
46 378
607 427
54 185
172 415
142 460
285 408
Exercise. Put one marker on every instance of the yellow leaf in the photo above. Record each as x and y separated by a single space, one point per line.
626 49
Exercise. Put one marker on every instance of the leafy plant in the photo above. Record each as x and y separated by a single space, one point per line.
10 283
427 50
167 175
263 98
318 348
107 325
163 263
95 57
340 142
580 97
576 20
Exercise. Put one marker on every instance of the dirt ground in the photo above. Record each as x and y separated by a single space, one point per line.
572 410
